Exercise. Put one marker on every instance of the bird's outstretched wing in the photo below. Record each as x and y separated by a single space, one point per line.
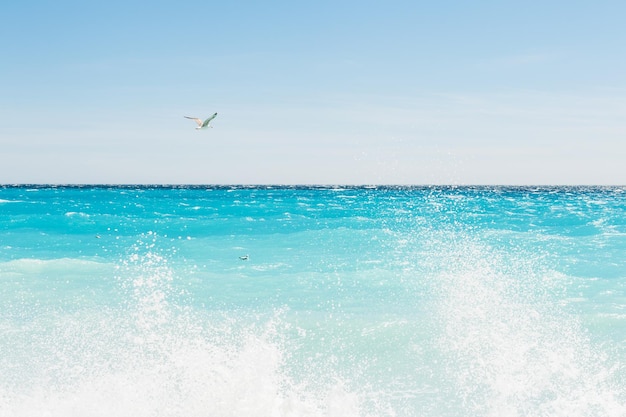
194 119
207 121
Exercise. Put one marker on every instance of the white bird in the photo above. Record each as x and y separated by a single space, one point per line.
202 124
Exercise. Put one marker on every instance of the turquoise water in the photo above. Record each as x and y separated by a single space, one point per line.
349 301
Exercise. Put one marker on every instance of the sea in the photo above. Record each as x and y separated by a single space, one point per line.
294 301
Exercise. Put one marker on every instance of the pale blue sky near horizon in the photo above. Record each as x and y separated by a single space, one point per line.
326 92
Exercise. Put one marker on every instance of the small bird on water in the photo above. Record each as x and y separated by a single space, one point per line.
202 124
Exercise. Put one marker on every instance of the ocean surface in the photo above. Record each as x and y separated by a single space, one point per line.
185 301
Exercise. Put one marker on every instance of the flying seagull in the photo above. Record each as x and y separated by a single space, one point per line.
202 124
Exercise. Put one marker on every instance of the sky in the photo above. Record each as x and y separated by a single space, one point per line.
325 92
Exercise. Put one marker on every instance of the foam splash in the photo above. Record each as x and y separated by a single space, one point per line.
510 350
151 357
188 378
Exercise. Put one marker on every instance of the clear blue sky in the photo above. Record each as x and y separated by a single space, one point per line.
325 92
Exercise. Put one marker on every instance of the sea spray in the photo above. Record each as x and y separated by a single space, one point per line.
149 358
511 350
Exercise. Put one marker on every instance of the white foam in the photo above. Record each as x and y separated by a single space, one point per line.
510 350
151 358
34 265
